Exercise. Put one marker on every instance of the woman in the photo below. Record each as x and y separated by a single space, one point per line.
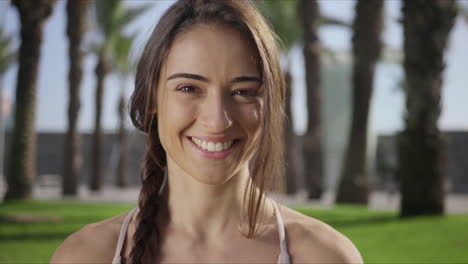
209 94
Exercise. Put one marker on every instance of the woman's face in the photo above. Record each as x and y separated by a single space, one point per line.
210 103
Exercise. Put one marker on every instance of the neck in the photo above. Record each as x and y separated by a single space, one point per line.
201 210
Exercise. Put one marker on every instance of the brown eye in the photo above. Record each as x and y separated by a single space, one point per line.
186 89
246 92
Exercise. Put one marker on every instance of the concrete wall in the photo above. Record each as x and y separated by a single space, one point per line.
457 162
50 154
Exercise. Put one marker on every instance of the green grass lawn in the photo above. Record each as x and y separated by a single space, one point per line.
30 231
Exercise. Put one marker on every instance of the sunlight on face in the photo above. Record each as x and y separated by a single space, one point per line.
210 103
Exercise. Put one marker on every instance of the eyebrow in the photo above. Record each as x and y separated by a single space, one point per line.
204 79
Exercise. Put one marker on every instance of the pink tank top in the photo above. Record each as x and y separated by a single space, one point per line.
283 258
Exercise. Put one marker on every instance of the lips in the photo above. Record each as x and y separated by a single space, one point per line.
206 150
212 146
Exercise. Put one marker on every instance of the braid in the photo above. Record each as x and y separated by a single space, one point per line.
146 236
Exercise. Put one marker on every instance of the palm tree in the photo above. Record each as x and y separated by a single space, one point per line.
309 13
124 69
422 168
367 46
7 56
76 27
283 16
22 165
111 17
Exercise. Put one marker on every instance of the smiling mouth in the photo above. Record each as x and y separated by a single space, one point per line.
214 147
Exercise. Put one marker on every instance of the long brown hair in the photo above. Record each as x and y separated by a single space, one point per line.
266 166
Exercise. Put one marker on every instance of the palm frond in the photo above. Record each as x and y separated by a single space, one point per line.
112 16
282 16
129 15
7 54
121 53
332 21
106 12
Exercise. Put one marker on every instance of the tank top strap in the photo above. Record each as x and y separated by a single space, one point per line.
284 257
123 232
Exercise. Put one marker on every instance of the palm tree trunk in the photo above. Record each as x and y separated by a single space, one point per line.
427 24
122 167
309 11
291 175
22 167
353 187
76 11
101 70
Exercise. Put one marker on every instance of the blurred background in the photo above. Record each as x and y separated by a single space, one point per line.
376 137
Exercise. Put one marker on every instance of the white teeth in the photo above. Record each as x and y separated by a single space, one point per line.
211 146
204 145
219 147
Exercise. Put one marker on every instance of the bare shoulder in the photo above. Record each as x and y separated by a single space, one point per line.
94 243
313 241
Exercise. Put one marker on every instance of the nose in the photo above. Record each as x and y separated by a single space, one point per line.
215 115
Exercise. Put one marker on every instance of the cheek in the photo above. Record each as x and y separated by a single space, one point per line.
175 117
252 124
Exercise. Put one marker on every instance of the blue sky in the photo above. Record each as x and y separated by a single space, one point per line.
387 104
